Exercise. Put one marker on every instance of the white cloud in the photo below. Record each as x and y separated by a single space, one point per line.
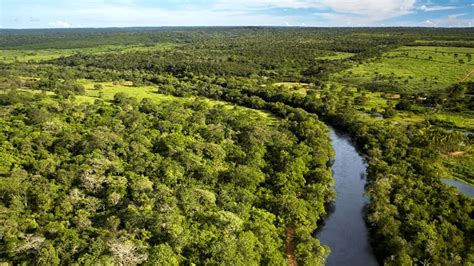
124 13
436 8
359 12
455 16
60 24
429 22
244 4
123 16
372 10
453 20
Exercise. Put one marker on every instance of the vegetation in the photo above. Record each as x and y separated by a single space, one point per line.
167 183
412 69
37 55
205 145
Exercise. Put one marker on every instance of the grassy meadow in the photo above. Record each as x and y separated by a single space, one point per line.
413 68
9 56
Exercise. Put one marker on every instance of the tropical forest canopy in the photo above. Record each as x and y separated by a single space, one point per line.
177 146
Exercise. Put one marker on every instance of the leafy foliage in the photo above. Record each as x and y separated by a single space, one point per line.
137 181
171 183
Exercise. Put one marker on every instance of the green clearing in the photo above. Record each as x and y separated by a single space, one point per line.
109 89
296 87
456 121
414 68
9 56
375 100
380 101
461 166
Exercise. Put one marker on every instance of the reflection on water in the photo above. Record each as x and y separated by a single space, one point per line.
463 188
344 230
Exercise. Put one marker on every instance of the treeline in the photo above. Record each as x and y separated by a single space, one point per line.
263 53
250 61
139 182
81 38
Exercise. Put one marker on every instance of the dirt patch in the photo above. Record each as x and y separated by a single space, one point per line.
468 75
454 154
290 247
391 96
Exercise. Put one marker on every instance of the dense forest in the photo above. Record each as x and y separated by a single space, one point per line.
168 183
212 150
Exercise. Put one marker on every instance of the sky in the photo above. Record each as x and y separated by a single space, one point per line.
301 13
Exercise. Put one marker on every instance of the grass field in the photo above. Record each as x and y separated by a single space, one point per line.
414 68
376 100
9 56
109 89
379 101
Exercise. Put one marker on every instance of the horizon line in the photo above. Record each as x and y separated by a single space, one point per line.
238 26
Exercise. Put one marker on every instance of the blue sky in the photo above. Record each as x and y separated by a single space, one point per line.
319 13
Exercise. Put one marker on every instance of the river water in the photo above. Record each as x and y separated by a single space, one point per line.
463 188
344 230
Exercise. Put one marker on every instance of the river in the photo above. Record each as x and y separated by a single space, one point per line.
463 188
344 230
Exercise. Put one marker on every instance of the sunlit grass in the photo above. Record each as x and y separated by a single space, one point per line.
109 89
417 68
297 87
9 56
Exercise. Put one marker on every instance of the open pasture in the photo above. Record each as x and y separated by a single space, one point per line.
9 56
109 89
413 68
